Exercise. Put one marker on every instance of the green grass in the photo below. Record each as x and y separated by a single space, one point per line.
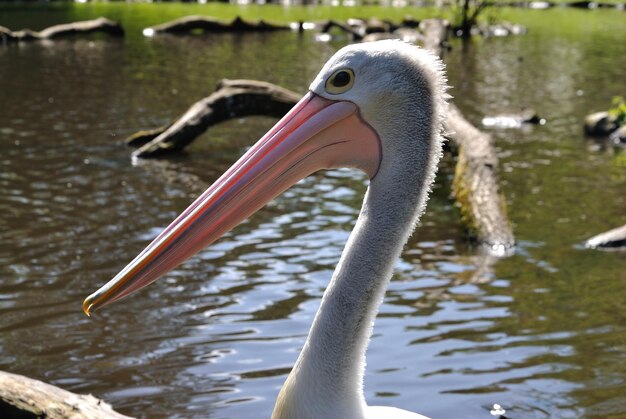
136 16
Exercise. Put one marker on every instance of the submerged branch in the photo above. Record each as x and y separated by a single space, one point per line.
475 184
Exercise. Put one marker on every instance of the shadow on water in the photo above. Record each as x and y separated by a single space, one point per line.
541 333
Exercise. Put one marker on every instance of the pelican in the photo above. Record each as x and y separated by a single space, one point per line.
378 107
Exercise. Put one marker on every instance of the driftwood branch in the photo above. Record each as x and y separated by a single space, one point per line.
22 397
189 24
101 24
232 99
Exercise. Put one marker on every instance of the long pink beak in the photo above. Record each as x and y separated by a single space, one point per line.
316 134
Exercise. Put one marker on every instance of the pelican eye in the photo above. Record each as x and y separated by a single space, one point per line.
340 81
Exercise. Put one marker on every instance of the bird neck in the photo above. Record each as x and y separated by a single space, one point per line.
327 379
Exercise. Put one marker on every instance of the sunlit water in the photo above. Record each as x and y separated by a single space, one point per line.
541 333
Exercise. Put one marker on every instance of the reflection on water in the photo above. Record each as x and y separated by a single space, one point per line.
541 333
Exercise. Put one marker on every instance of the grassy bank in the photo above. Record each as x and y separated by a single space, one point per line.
147 14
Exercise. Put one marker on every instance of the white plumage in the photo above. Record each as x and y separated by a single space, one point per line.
400 91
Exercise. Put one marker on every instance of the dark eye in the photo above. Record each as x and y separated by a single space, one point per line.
340 81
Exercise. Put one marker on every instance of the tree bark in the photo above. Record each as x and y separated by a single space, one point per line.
23 397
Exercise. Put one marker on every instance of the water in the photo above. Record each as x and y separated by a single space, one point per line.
541 333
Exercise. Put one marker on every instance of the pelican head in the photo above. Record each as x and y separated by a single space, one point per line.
399 91
391 82
377 107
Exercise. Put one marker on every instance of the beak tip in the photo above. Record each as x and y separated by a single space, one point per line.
87 306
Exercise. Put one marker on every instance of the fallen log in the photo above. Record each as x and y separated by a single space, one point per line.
475 184
613 239
231 99
101 24
189 24
23 397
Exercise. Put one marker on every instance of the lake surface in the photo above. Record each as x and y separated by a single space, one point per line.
543 332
